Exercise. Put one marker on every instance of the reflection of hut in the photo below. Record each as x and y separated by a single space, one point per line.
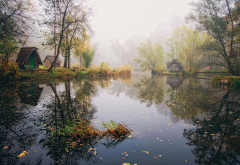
174 66
29 57
175 83
30 94
49 60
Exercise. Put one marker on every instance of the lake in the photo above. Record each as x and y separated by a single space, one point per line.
173 120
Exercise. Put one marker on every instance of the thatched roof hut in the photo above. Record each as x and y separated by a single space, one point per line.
29 57
49 60
174 66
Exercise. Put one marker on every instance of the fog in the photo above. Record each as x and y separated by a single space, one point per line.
126 22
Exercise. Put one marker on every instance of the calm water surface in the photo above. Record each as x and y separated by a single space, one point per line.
174 121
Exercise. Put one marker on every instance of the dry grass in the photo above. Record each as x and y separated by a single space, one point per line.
82 133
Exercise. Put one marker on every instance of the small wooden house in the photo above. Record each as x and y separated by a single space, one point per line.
174 66
28 57
49 60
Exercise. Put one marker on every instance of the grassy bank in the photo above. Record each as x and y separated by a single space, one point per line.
12 72
231 81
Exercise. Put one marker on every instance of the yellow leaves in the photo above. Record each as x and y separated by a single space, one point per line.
5 147
22 154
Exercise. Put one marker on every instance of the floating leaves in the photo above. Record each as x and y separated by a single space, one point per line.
145 152
22 154
5 147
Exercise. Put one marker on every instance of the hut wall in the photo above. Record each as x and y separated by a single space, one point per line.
47 63
36 62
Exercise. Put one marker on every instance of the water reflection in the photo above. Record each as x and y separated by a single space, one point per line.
190 99
150 90
216 137
32 115
63 107
30 93
16 128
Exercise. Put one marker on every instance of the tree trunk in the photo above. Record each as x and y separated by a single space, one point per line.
65 61
231 71
68 57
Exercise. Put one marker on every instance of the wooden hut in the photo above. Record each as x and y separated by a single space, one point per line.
174 66
49 60
28 57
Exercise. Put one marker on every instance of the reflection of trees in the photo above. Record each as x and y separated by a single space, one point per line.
190 99
119 86
68 106
151 90
217 138
16 131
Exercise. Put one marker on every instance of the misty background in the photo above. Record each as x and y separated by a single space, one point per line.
119 26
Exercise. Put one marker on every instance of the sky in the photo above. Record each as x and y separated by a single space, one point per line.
120 19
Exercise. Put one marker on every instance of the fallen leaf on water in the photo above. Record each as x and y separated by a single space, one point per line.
34 151
126 164
186 160
22 154
155 157
123 158
95 152
159 155
51 129
5 147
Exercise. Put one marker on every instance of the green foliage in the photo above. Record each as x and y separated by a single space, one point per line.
185 46
151 56
220 19
88 56
108 125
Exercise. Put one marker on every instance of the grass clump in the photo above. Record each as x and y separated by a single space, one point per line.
81 133
116 130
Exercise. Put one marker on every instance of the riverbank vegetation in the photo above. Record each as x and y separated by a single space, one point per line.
10 71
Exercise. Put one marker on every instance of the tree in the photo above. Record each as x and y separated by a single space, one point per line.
14 18
68 13
150 57
185 45
88 56
7 48
119 49
220 19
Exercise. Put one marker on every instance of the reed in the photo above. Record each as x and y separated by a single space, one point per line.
82 133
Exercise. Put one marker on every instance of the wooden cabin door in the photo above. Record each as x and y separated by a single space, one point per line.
31 61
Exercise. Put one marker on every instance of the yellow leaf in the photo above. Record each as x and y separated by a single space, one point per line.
5 147
22 154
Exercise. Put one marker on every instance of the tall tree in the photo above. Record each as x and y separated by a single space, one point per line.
119 49
14 17
220 19
151 56
68 13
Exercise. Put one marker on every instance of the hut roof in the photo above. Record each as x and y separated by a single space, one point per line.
51 59
174 61
24 54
